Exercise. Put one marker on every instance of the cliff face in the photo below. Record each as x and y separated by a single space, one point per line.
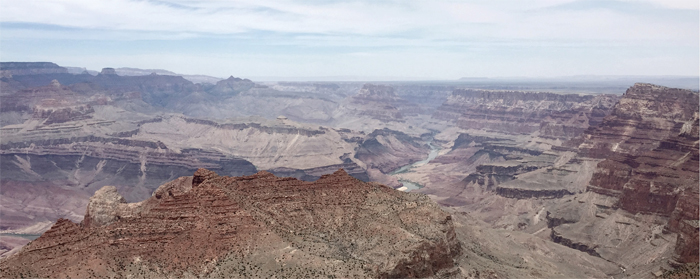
381 102
649 177
137 153
250 226
387 150
645 115
515 112
648 136
231 86
663 181
624 190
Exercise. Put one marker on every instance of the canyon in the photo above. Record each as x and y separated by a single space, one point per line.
517 182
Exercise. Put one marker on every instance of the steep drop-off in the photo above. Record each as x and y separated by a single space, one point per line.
250 226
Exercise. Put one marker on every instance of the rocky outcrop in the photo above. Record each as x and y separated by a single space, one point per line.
515 112
250 226
108 72
313 174
105 207
54 114
231 86
387 150
645 115
557 238
53 94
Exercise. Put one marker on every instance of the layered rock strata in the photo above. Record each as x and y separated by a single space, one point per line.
647 183
380 102
250 226
387 150
515 112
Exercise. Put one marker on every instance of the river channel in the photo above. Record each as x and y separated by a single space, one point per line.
410 185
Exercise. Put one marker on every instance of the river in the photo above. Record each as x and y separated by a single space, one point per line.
410 185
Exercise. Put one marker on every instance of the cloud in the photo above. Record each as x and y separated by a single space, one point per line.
425 19
495 34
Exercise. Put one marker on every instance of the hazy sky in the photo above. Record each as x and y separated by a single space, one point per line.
415 39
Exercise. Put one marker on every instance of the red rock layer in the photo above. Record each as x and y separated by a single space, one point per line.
645 115
228 222
651 139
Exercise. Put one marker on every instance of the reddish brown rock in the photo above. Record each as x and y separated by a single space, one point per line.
651 139
645 115
251 226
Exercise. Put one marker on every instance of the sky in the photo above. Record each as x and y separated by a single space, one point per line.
432 39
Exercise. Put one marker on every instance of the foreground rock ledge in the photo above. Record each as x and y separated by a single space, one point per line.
251 226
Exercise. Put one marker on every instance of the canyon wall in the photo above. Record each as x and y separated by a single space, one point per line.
515 112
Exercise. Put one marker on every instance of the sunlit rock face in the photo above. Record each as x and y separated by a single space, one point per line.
651 144
624 189
250 226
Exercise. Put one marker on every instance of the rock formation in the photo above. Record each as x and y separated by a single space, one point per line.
651 145
250 226
624 190
387 150
514 112
231 86
381 102
108 72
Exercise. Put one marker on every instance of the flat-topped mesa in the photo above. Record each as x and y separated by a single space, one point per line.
258 226
108 72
